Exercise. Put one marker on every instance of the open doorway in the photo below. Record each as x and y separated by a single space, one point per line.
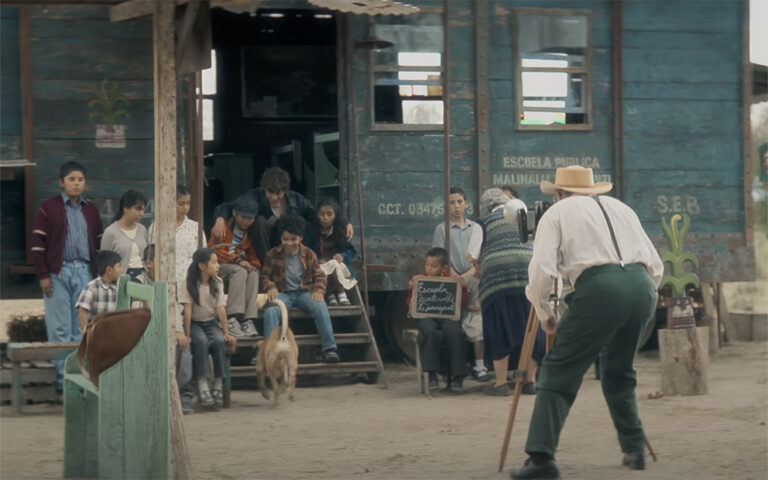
273 102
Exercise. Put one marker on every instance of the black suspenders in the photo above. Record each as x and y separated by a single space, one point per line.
610 229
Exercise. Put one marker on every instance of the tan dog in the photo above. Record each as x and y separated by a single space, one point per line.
278 358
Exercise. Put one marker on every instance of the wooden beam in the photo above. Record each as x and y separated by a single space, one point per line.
163 28
185 30
27 127
132 9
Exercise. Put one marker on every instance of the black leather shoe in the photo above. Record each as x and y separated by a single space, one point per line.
457 385
529 388
634 460
530 470
432 384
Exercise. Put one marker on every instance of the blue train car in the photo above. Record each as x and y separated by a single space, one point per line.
654 95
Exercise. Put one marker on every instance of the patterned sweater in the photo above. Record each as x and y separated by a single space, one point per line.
504 260
273 270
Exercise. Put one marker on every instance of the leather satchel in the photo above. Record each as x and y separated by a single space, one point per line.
108 337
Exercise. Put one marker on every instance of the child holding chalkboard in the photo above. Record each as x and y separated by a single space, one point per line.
432 330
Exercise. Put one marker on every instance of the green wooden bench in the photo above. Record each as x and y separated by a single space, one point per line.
122 428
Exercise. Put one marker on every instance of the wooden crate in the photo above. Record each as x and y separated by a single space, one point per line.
38 382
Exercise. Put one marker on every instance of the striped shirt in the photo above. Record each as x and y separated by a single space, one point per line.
98 297
76 242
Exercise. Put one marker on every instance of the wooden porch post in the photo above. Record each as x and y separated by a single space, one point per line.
165 204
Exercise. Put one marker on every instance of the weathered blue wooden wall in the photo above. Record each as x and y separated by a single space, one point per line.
10 86
682 125
683 130
402 172
73 50
524 158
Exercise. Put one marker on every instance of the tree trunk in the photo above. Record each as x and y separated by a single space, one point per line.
684 360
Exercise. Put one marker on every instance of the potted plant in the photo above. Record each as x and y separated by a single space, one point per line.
679 306
109 134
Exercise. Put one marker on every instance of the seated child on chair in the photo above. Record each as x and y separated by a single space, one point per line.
292 274
100 294
205 318
328 239
432 330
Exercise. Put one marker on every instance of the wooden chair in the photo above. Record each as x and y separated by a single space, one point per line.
122 428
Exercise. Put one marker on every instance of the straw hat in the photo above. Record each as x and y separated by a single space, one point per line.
576 179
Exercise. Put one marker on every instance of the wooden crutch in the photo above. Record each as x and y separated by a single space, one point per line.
522 365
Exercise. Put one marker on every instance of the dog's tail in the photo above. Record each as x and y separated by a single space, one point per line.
284 324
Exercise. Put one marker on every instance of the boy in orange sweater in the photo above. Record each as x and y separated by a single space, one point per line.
239 268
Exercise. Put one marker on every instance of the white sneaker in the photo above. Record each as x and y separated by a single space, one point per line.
234 327
249 329
331 300
343 300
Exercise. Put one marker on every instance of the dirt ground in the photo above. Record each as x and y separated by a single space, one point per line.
364 431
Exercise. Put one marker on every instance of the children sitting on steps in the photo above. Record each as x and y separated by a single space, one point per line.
205 318
327 238
292 273
433 330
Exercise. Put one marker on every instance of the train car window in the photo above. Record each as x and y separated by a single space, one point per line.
406 80
209 89
553 69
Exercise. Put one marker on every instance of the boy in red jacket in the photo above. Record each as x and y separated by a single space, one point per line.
65 238
433 330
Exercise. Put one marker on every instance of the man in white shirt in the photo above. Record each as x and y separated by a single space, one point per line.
598 245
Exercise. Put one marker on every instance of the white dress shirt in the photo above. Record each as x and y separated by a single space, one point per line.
573 236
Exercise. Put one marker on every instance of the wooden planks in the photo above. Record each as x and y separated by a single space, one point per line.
20 352
318 369
72 50
682 109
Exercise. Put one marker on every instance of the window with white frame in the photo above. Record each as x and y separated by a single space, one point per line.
553 84
407 77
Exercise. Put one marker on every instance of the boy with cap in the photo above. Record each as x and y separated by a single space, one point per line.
239 267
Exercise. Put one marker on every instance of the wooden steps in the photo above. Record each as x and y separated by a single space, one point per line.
354 340
316 369
341 339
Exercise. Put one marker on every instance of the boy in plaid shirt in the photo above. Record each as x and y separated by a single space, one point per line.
292 273
100 294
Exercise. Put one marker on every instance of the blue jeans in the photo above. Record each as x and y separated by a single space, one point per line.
61 321
207 337
303 300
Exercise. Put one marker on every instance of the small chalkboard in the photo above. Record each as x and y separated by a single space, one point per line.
436 297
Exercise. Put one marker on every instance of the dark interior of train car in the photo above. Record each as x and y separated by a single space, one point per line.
271 100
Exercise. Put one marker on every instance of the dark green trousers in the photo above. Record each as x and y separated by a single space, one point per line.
607 313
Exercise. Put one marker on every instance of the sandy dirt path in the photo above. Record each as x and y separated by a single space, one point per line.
363 431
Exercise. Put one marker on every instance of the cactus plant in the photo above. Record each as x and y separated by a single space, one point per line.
676 258
107 98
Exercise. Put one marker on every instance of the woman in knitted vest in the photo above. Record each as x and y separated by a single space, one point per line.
503 265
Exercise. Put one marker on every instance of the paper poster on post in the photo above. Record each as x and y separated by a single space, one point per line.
436 297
